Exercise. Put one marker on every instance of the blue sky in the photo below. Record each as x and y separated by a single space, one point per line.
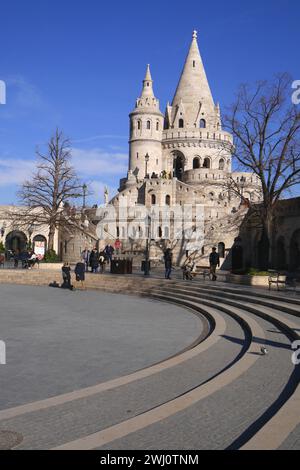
79 65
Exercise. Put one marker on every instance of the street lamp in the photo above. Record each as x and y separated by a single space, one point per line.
147 254
147 158
84 189
242 184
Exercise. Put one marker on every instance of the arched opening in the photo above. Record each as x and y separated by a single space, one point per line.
237 255
221 249
139 125
148 125
202 124
16 241
178 165
196 163
40 246
159 232
280 254
221 164
206 162
153 199
180 123
157 126
168 200
295 251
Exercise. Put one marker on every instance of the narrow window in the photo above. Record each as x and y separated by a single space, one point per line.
157 126
196 163
206 163
168 200
202 124
148 125
194 63
221 164
180 123
153 199
139 125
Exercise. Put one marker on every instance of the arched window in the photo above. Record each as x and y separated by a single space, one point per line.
206 163
181 123
196 163
202 124
221 249
221 164
139 125
153 199
159 231
168 200
148 124
157 126
166 232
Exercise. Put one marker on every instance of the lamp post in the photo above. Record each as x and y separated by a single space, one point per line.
148 230
84 189
242 184
147 158
30 232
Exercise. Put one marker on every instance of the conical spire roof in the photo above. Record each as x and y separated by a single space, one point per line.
147 84
193 89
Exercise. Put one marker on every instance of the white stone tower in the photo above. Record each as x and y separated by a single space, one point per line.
146 125
193 140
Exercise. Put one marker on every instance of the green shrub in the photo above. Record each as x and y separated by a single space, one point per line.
2 248
51 257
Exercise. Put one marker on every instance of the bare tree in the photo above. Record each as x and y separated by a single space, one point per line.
44 198
266 129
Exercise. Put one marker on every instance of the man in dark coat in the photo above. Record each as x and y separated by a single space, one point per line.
214 261
94 260
66 274
80 273
168 263
109 251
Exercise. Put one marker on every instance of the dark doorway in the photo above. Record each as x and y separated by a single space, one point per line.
237 255
295 251
178 166
16 241
280 254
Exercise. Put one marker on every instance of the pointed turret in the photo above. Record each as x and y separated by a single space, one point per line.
147 84
193 90
147 97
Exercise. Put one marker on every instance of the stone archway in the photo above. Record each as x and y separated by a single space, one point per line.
178 164
295 251
16 241
280 254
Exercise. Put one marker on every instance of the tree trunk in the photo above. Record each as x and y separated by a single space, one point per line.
51 237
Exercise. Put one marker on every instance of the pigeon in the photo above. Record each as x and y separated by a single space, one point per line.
264 350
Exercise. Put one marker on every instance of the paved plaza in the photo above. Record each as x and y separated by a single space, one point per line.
173 365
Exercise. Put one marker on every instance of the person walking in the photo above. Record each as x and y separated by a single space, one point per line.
80 273
214 261
94 260
168 263
109 251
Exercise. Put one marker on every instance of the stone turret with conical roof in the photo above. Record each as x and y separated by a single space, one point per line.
193 139
193 100
146 125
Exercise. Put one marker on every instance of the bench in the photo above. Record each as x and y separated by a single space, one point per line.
281 280
199 271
